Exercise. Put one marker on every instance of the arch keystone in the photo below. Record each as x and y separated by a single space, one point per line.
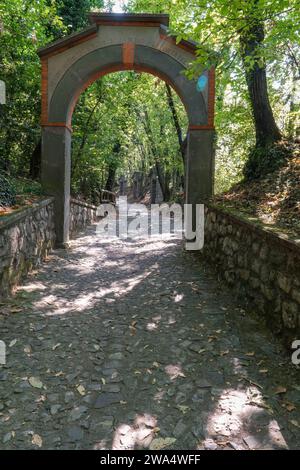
128 54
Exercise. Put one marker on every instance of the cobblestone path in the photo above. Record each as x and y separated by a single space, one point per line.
135 344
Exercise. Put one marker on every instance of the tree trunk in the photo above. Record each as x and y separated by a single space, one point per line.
5 160
112 169
148 130
293 107
167 181
35 161
76 159
176 122
110 182
161 179
251 41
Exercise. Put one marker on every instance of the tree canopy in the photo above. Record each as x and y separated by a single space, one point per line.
119 123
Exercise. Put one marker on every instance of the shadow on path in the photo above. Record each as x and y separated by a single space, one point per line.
132 344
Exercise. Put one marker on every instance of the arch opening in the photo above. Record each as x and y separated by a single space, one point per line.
136 134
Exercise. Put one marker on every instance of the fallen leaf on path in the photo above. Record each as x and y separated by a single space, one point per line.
81 390
223 353
35 382
280 390
201 351
37 440
184 409
160 443
16 309
59 374
223 443
295 423
212 338
288 406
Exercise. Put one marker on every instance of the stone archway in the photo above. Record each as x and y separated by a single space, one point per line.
116 42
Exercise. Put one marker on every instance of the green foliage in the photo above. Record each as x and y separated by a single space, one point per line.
25 25
217 26
7 192
264 160
24 187
132 109
75 13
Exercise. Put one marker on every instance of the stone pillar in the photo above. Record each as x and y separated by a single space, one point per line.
56 175
199 182
199 165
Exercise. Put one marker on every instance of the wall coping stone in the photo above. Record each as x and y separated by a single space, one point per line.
82 203
261 230
7 221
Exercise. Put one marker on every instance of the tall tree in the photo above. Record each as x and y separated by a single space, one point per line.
176 122
243 38
252 35
75 13
24 27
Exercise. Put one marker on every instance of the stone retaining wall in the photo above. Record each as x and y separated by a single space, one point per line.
262 266
81 215
26 237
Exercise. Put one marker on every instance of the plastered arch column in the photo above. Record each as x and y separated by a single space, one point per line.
116 43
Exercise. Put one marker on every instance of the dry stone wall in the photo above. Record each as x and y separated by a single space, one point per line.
263 267
25 239
81 215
